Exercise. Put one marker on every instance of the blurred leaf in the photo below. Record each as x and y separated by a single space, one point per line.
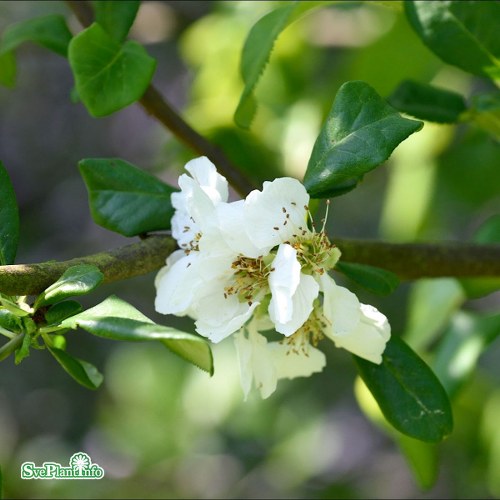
13 344
432 302
10 321
254 57
61 311
116 319
8 70
257 51
427 102
409 394
374 279
24 349
48 31
485 113
108 76
116 16
1 483
488 232
422 459
463 343
125 199
360 132
76 280
461 33
83 372
9 219
20 310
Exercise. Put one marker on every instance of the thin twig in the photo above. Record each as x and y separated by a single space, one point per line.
157 106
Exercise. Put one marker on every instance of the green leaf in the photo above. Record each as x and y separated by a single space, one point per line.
488 233
48 31
108 76
360 133
257 51
10 321
8 70
116 16
76 280
19 309
125 199
485 113
408 393
428 102
463 343
117 320
422 459
61 311
83 372
431 304
461 33
13 344
9 219
374 279
24 349
1 483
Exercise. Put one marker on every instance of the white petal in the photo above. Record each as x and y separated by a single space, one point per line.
256 363
296 363
184 229
177 283
341 307
302 305
231 224
244 352
266 212
205 174
368 340
219 317
283 282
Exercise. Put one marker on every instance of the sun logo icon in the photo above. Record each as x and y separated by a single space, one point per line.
79 462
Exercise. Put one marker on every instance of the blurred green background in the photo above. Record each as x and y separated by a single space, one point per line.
162 429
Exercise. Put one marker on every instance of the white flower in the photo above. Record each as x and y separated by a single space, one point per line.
256 261
263 363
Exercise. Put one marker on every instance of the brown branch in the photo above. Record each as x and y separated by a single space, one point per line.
156 105
409 261
122 263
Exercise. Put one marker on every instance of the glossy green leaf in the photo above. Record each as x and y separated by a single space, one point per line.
8 70
428 102
76 280
257 51
83 372
408 393
360 133
462 33
108 75
374 279
126 199
17 308
61 311
116 16
464 341
117 320
48 31
9 219
24 349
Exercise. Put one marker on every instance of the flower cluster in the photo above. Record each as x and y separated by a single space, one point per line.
254 266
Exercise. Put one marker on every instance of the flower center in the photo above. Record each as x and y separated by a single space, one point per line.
250 278
315 252
310 333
